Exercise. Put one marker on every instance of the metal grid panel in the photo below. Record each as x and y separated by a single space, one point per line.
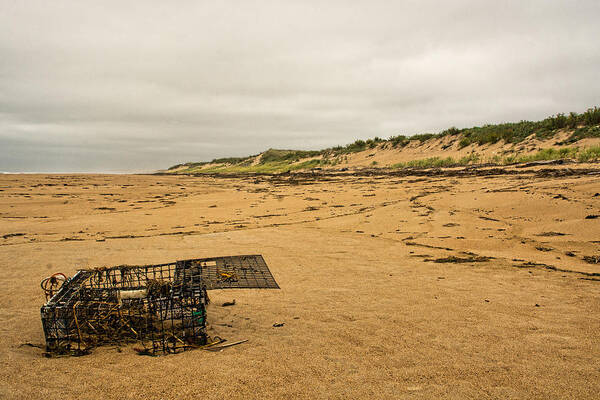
233 272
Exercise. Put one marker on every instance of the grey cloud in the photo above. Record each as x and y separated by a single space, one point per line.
105 86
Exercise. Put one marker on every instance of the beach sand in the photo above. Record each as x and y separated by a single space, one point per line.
451 285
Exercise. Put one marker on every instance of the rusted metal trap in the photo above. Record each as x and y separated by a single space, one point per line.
162 306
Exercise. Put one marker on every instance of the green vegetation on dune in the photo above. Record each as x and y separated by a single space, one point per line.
589 154
188 165
437 162
269 167
544 155
583 133
585 126
273 155
581 126
517 131
432 162
401 140
231 160
226 160
563 153
355 147
282 166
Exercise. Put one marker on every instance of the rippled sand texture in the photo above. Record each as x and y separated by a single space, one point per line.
456 285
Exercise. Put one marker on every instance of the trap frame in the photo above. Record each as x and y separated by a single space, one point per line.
161 306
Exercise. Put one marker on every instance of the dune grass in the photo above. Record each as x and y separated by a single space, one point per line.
573 153
268 167
544 155
589 154
437 162
432 162
274 156
289 164
584 125
563 153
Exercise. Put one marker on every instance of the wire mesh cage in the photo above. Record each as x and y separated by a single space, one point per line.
161 306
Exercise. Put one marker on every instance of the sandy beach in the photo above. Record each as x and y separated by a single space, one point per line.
430 285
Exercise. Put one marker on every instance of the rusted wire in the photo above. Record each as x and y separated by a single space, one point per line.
52 284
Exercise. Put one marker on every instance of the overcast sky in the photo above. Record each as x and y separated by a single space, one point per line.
142 85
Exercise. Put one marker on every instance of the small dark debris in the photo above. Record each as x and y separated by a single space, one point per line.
489 219
71 239
460 260
123 237
592 259
9 235
592 216
530 264
28 344
278 324
228 303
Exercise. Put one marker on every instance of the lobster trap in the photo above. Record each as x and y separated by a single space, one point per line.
162 306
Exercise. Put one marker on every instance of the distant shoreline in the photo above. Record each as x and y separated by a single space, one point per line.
76 172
